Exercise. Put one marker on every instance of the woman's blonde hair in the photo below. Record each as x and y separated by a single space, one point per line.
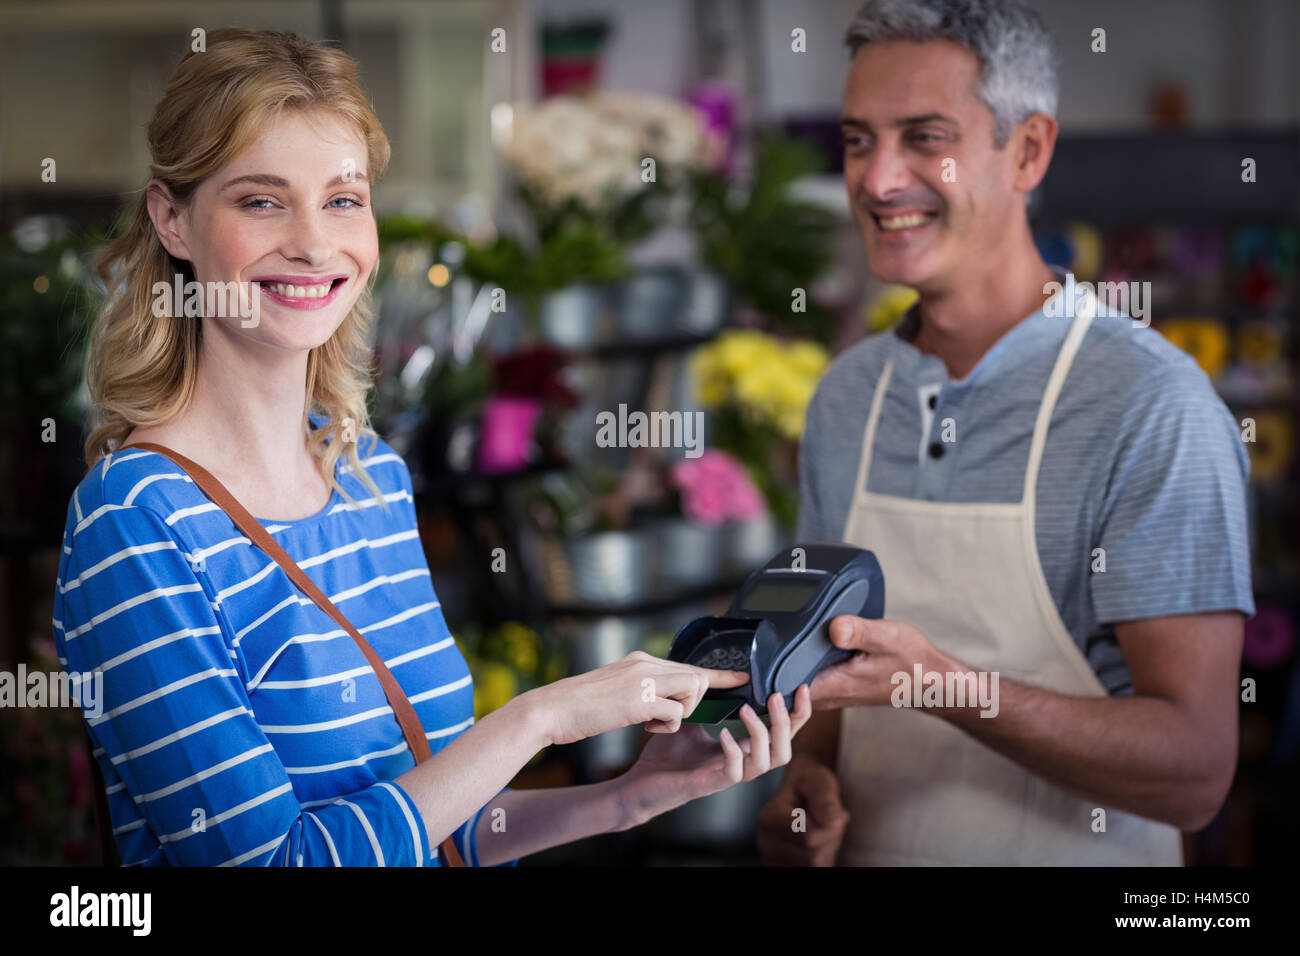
141 368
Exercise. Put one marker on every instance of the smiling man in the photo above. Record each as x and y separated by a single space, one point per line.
1056 502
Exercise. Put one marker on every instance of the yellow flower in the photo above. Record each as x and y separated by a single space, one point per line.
809 358
889 307
495 686
769 380
521 647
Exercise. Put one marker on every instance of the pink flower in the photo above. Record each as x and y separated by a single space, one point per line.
715 487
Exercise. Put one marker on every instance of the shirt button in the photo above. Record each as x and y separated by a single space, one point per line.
934 401
936 450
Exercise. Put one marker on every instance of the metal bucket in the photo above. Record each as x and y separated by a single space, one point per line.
574 317
691 554
706 304
611 567
648 305
754 541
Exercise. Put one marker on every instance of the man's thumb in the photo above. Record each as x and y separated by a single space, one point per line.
850 633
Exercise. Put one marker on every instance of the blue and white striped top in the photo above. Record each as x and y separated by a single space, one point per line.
240 724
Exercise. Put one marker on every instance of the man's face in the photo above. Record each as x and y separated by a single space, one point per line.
909 108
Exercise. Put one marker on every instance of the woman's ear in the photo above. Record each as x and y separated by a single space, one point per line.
167 215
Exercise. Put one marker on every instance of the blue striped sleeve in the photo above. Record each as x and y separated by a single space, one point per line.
1174 520
190 773
467 837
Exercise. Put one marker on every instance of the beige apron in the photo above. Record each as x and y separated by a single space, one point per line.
921 791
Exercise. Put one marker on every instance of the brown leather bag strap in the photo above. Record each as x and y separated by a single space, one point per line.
412 730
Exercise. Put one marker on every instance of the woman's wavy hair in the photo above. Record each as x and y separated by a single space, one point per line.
141 368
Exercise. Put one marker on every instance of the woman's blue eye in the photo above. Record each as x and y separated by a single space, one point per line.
347 199
251 204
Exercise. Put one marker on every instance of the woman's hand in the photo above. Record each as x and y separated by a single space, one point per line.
677 768
639 689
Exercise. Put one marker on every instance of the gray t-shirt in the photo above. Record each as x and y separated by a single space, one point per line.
1142 459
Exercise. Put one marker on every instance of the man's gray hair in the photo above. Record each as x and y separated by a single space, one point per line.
1017 58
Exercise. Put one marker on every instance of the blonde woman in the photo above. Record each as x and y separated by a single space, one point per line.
240 724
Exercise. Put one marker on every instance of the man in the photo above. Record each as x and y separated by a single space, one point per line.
1057 503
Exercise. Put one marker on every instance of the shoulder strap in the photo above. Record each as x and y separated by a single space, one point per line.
252 528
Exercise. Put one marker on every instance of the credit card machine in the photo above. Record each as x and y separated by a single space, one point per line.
777 628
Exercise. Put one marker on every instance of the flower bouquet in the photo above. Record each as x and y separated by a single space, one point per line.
758 388
609 161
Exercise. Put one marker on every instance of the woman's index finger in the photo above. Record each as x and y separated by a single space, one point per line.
726 678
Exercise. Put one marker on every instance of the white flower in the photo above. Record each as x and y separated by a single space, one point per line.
590 150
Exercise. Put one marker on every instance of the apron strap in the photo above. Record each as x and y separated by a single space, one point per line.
1086 307
869 440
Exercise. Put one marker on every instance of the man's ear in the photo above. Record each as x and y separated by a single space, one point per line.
1034 141
168 219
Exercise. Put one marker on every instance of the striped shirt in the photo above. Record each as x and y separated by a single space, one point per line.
240 725
1143 460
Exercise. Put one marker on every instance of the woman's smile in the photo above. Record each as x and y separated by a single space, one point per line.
302 292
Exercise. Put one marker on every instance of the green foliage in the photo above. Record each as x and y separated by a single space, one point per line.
458 389
579 253
42 334
627 220
567 503
770 244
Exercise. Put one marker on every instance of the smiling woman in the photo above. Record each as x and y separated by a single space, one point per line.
246 719
233 176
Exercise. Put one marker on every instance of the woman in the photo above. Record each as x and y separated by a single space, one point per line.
240 724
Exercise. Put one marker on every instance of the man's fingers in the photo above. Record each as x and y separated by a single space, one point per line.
833 686
852 633
818 789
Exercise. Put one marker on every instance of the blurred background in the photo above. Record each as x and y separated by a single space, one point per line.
514 125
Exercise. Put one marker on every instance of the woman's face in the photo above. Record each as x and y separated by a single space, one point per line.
291 213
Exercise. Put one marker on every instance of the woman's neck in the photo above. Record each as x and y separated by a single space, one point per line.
244 419
250 411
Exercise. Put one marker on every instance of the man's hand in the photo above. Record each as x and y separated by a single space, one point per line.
884 648
804 824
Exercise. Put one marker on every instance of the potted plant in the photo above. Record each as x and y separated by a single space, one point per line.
766 242
521 417
709 493
609 165
757 388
